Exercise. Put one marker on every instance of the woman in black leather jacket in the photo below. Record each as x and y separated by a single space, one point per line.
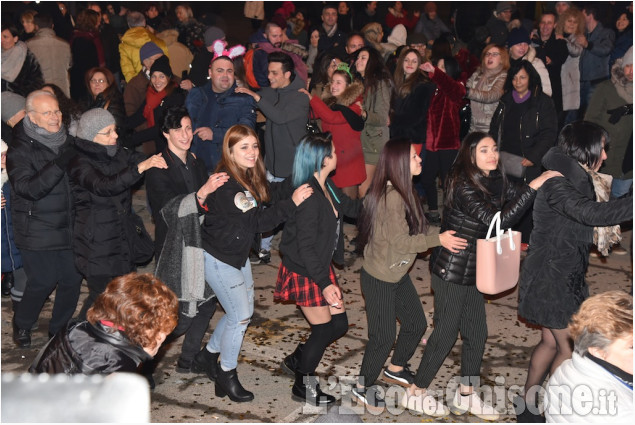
475 191
125 327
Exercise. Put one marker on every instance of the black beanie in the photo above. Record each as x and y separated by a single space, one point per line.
162 65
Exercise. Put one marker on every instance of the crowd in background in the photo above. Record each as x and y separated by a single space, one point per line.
99 98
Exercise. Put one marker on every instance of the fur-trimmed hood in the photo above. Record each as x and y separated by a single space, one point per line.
350 95
623 87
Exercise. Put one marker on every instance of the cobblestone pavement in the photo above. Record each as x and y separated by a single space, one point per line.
276 329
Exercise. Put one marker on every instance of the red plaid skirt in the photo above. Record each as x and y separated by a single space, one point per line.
301 289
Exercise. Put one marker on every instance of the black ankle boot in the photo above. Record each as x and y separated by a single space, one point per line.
291 362
206 362
7 283
227 384
307 389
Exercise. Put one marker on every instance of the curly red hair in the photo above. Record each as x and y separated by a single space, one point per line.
140 304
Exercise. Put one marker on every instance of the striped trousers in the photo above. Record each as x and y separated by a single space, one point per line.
386 303
457 308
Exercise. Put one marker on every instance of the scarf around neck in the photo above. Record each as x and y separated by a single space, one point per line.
52 141
12 61
606 236
153 99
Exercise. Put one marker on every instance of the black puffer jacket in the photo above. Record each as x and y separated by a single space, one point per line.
101 187
42 205
538 129
470 216
83 348
29 79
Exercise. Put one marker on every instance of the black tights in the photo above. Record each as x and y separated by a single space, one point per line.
321 337
554 348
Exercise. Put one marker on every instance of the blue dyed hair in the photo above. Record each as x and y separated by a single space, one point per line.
309 156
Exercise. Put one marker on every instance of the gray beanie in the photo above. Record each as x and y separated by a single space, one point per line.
92 122
212 34
12 103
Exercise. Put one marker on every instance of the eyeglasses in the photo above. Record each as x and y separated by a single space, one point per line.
48 113
492 54
108 133
100 81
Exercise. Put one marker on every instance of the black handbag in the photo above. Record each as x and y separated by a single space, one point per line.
465 117
139 240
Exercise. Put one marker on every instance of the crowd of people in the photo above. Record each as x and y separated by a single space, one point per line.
327 110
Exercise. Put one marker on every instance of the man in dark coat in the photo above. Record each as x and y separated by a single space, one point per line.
214 108
42 211
553 52
331 36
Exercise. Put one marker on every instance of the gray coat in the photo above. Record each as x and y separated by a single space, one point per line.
54 55
287 112
594 62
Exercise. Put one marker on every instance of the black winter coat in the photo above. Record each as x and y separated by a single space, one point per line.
83 348
552 280
102 190
410 114
538 129
162 185
42 204
228 232
29 79
308 241
470 215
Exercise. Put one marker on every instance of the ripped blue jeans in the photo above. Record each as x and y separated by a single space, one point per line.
234 289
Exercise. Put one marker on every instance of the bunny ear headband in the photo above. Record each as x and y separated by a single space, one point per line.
219 50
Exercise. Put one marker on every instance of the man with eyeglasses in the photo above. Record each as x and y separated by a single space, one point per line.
42 209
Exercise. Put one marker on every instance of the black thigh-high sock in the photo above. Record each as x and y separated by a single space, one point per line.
339 326
314 347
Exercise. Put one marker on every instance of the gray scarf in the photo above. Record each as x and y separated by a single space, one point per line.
603 237
111 150
52 141
12 61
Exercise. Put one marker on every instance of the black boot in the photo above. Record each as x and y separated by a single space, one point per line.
205 362
307 389
21 337
7 283
291 362
227 384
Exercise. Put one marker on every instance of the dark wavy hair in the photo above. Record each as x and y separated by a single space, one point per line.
70 109
140 304
464 169
393 166
173 117
535 84
376 70
320 69
582 141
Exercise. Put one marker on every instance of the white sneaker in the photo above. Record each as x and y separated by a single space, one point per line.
422 402
473 404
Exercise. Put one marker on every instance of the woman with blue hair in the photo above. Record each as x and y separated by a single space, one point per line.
312 238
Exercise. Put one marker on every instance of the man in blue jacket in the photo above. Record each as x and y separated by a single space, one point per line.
214 108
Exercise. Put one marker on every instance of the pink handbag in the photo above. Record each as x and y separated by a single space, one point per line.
497 259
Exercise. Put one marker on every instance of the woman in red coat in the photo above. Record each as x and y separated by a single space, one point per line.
398 15
340 110
444 126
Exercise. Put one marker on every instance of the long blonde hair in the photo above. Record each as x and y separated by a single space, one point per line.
252 179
